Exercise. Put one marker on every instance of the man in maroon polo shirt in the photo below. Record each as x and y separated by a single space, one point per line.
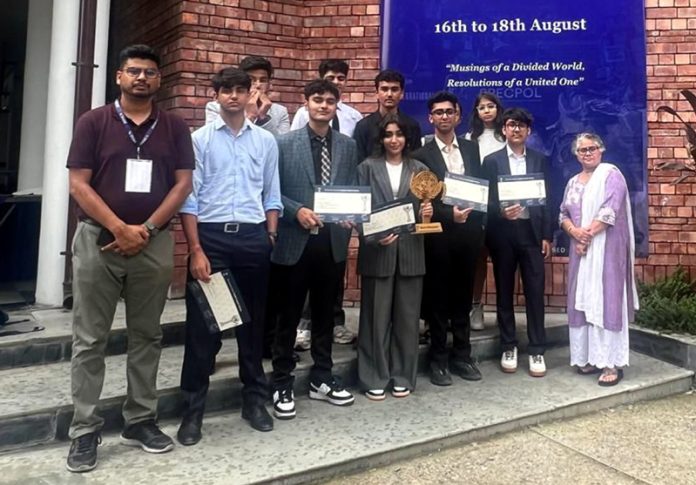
130 170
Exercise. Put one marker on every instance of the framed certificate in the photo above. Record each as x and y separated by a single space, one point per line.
466 192
395 217
334 203
527 190
220 302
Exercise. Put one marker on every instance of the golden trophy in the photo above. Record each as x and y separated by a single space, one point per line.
426 187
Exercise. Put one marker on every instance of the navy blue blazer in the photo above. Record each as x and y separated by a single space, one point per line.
497 163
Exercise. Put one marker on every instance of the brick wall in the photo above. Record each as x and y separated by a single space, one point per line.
198 37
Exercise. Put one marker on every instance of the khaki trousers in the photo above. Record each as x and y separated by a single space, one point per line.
99 280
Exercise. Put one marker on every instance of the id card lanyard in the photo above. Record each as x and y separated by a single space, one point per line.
131 135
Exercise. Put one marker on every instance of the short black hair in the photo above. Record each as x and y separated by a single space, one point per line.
138 51
381 134
443 97
229 78
335 65
518 114
251 63
321 86
391 76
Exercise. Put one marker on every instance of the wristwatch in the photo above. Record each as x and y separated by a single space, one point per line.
151 228
273 235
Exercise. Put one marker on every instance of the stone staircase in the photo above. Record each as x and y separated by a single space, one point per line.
35 410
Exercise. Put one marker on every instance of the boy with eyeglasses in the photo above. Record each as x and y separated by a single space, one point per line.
450 256
518 237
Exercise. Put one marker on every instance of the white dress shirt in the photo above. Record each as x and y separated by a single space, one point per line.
348 117
518 166
452 156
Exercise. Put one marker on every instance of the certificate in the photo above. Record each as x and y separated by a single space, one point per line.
220 302
466 192
393 217
334 203
527 190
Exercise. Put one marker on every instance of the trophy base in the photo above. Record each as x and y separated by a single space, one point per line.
429 228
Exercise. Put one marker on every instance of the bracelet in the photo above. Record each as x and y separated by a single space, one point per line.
273 234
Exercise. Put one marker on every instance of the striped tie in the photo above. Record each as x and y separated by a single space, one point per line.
325 162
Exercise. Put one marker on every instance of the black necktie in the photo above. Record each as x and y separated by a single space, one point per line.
335 124
325 162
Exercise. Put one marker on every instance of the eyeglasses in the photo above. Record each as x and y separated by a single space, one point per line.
515 125
150 73
588 150
443 112
484 107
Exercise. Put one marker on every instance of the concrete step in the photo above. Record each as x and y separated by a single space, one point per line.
54 342
325 441
36 406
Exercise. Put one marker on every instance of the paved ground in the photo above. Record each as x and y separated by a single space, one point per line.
651 442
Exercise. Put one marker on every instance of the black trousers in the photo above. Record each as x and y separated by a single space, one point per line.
513 245
247 255
449 284
316 272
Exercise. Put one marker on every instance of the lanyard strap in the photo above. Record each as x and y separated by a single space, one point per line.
131 135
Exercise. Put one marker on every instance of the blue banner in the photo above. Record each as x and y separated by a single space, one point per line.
576 66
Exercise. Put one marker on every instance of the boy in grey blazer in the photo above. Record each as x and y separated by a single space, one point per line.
308 255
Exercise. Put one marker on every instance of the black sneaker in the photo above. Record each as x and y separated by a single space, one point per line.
284 404
465 369
440 374
147 436
83 453
332 392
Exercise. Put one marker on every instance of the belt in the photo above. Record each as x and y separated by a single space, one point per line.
91 222
94 223
229 227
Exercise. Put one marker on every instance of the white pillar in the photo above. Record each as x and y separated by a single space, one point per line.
31 151
59 123
101 50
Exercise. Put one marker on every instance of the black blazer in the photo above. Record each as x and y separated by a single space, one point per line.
431 156
497 163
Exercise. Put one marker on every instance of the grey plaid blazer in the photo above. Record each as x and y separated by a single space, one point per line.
297 180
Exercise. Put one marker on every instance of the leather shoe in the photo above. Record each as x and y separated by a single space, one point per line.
466 370
258 417
440 375
190 430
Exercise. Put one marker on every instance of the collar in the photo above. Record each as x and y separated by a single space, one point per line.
154 113
441 144
219 123
314 136
512 154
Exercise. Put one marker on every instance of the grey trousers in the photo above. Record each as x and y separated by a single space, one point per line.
99 280
388 334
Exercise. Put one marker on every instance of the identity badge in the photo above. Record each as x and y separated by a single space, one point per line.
138 175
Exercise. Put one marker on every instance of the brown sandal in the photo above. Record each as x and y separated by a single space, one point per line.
588 370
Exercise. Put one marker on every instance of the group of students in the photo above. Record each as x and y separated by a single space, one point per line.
243 185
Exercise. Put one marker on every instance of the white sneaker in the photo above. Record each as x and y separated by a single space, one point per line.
400 391
332 392
508 362
376 394
303 340
341 335
537 366
284 404
476 317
